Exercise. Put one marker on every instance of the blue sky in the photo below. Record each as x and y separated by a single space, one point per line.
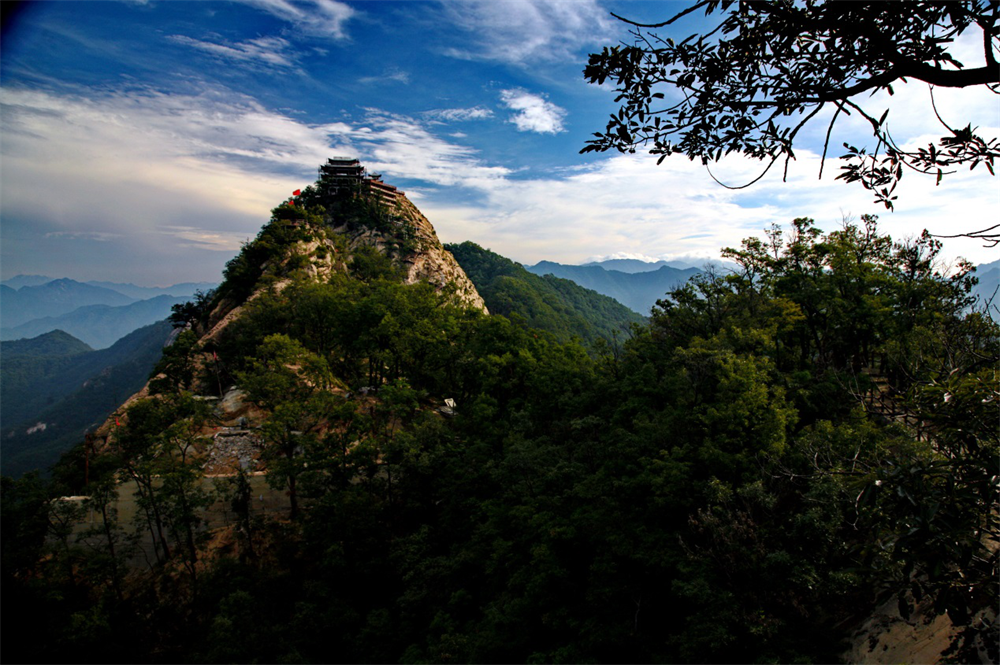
143 141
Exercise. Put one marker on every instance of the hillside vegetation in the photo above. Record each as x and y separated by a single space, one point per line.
777 451
548 303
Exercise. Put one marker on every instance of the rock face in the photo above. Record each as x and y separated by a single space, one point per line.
430 263
434 264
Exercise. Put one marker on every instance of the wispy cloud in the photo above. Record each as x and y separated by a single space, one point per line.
191 236
269 51
393 75
533 112
318 18
159 178
522 31
459 115
218 158
403 147
97 236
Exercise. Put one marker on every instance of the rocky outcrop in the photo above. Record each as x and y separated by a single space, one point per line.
429 262
433 263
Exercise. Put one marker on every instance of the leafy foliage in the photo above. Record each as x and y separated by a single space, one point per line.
767 69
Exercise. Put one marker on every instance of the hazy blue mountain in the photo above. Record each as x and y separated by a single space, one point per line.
48 403
146 292
637 291
986 267
635 265
53 298
100 326
628 265
19 281
989 285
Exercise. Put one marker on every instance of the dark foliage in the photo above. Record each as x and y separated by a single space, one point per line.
778 450
768 68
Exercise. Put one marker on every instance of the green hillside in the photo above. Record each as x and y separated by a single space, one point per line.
548 303
67 394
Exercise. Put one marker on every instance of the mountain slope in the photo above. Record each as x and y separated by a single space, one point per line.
637 291
100 326
27 364
54 343
55 403
548 303
988 288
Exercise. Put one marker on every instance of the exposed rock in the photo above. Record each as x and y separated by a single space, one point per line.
886 637
434 264
430 263
233 449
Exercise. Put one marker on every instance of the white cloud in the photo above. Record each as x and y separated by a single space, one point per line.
534 113
628 204
319 18
191 236
392 75
98 236
269 51
459 115
402 147
157 176
634 256
527 31
131 165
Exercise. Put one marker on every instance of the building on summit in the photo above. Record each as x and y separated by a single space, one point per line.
340 173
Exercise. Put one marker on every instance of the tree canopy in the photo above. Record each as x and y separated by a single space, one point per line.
767 69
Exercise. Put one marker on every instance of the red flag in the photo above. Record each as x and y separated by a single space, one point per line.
117 423
296 192
215 357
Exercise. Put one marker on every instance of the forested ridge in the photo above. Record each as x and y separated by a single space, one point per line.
741 480
548 303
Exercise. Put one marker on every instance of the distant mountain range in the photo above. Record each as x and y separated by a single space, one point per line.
54 387
636 265
638 291
639 284
52 299
99 313
100 326
989 285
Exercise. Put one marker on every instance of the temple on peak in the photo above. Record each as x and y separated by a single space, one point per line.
343 172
